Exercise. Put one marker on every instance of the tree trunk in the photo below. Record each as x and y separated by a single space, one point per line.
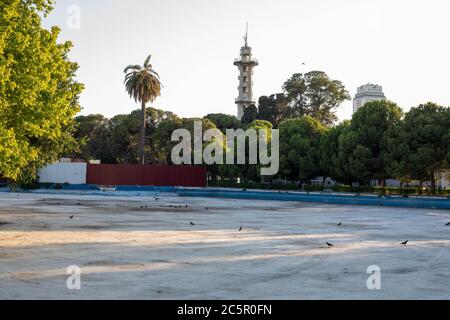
433 181
142 142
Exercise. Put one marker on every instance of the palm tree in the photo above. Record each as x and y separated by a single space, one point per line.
142 83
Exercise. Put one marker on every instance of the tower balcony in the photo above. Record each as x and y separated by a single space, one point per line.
243 61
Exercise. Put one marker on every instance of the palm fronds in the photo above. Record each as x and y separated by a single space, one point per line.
142 82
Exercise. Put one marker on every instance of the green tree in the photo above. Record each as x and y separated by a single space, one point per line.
142 83
247 172
361 147
224 121
330 162
250 114
125 136
38 93
124 140
300 148
273 109
162 137
94 133
314 94
419 145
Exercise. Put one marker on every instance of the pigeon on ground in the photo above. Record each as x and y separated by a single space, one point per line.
339 224
71 217
240 229
448 224
404 243
206 208
330 245
156 199
191 223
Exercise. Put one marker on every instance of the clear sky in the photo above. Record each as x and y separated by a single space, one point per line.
402 45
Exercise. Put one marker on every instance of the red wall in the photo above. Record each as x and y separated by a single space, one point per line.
138 175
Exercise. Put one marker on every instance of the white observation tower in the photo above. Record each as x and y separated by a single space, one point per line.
245 64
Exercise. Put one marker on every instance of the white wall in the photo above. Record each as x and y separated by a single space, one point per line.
71 173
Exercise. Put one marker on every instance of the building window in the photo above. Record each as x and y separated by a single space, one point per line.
244 89
245 68
245 79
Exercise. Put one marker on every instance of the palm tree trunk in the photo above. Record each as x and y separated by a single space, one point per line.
142 142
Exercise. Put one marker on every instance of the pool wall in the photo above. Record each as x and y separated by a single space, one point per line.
411 202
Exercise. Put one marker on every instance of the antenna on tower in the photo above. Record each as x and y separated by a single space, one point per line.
246 36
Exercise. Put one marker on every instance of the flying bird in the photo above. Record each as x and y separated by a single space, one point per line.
240 229
404 243
330 245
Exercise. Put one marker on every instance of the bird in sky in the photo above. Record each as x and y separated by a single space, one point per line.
404 243
330 245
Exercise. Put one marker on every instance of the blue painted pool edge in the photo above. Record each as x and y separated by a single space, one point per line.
423 203
339 199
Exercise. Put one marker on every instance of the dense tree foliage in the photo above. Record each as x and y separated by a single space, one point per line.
361 148
300 148
312 94
315 94
224 121
116 140
376 144
250 114
419 145
331 164
273 109
38 93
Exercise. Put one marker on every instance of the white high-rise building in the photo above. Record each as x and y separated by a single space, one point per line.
367 93
245 64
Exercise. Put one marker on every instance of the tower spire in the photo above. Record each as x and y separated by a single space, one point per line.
246 36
